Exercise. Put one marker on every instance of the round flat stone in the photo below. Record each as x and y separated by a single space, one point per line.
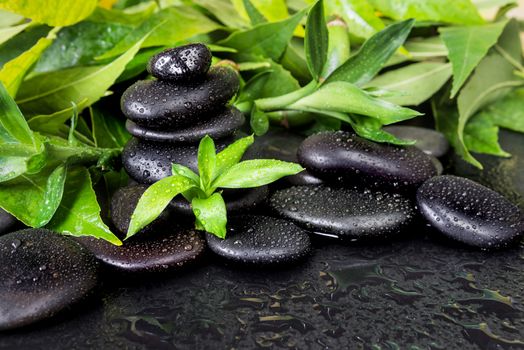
7 222
187 62
226 123
430 141
237 200
158 104
170 249
469 212
147 161
41 273
343 156
343 212
261 240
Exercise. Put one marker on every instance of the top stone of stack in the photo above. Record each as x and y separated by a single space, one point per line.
183 63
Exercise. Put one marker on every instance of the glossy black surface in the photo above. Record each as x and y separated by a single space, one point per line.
181 63
429 140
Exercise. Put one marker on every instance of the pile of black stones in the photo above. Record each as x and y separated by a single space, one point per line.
352 190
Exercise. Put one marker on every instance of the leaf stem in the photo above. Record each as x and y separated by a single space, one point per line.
510 59
280 102
290 119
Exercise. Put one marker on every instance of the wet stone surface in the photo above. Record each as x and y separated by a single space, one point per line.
261 240
430 141
345 157
224 124
41 274
345 213
187 62
158 104
7 222
406 294
469 212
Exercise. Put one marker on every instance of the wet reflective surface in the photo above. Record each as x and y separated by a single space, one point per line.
419 294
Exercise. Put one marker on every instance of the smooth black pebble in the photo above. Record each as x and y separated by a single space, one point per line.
342 156
430 141
7 222
147 161
224 124
237 201
261 240
187 62
41 274
158 104
469 212
343 212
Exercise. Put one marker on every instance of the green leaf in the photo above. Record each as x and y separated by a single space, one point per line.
178 169
166 28
206 161
8 19
359 15
371 129
51 123
487 4
266 39
372 56
79 213
13 127
316 40
509 111
481 136
155 199
224 11
131 16
232 154
259 121
254 15
344 97
109 131
50 92
416 82
51 12
339 46
22 42
79 44
255 173
467 46
34 199
272 10
448 11
9 32
211 214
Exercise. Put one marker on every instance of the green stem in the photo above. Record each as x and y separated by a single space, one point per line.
510 59
290 119
281 102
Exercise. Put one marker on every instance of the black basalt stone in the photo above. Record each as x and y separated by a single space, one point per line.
172 248
157 104
7 222
237 201
41 274
147 161
186 62
468 212
343 212
261 240
343 156
226 123
430 141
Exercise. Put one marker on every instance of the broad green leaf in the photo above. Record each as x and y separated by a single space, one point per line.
224 11
206 161
79 213
255 173
51 12
467 46
316 40
359 15
273 10
51 92
211 214
14 71
509 111
167 27
420 49
51 123
109 131
8 19
254 15
12 167
258 121
9 32
247 66
344 97
232 154
22 42
178 169
372 56
34 199
339 46
487 4
416 82
371 129
155 199
78 45
131 16
13 127
509 45
294 61
481 136
266 39
448 11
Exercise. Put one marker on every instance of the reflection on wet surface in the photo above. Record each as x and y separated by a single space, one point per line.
419 294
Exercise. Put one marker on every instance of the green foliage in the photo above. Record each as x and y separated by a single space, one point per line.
316 40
